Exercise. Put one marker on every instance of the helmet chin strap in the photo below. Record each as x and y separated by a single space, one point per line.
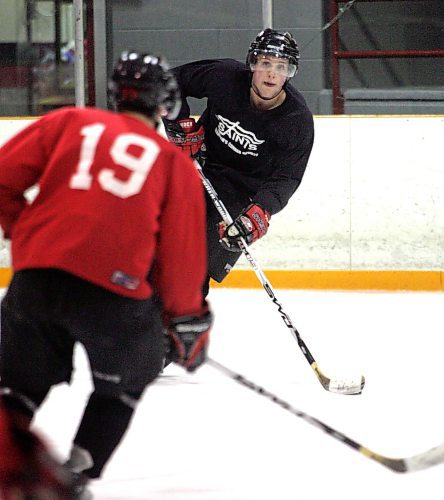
256 91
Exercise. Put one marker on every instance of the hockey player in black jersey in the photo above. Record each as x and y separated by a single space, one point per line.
258 138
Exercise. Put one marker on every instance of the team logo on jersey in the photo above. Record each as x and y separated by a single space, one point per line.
125 280
241 141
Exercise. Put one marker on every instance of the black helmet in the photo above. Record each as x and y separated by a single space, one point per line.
276 43
144 83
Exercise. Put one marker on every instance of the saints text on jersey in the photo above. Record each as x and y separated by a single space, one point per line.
241 141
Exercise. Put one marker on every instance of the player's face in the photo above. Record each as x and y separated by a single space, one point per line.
269 75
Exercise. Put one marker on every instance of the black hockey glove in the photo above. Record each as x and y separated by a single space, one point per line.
251 225
189 337
188 136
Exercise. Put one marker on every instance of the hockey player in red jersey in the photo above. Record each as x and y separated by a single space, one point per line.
103 256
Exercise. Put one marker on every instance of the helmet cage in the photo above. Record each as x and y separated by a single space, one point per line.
252 61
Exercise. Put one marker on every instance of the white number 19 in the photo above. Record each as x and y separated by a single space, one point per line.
140 166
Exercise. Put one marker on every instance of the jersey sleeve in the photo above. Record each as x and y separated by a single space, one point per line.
22 159
198 79
290 161
181 257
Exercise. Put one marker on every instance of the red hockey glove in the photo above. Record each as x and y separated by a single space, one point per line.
189 337
26 465
251 225
187 135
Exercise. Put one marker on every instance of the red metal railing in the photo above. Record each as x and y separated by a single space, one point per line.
337 54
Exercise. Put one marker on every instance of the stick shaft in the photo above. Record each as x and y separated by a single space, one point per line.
424 460
259 273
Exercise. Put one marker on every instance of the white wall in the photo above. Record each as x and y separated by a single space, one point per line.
10 126
372 198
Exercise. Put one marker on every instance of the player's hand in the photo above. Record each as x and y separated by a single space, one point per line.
189 336
250 225
187 135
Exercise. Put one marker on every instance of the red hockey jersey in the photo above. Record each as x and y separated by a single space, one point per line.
116 203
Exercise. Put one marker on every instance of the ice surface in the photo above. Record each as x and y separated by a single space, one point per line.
205 437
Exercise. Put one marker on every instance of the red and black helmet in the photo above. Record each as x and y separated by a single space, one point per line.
144 83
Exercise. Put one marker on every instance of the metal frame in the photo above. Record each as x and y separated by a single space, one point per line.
96 60
267 13
337 54
79 60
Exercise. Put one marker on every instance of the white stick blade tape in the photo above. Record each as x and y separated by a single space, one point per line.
350 386
434 456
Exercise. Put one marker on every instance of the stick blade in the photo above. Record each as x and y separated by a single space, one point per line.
346 386
429 458
349 386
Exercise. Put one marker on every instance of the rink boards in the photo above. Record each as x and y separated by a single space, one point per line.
369 213
431 281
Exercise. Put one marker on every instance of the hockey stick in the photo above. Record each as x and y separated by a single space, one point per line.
433 456
353 386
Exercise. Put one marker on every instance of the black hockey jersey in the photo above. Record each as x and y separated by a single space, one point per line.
262 153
